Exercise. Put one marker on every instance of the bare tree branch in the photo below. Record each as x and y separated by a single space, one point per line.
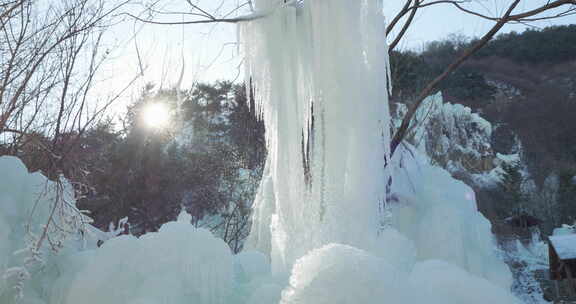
402 130
405 27
204 21
508 17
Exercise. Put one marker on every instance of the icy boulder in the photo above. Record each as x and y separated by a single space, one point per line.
178 264
340 274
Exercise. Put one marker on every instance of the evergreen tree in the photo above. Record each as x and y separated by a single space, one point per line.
514 200
567 196
208 159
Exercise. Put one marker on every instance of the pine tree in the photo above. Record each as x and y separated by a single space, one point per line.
567 196
511 186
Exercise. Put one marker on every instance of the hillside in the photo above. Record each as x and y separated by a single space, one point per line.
524 86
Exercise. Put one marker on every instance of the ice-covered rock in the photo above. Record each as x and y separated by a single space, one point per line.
451 135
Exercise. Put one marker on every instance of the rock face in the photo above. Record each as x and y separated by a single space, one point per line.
504 140
454 137
466 145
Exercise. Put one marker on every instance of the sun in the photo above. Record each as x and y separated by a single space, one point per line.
156 115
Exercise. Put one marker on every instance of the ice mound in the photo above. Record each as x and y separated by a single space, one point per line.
266 294
26 200
341 274
178 264
250 265
181 264
324 191
439 214
19 193
441 282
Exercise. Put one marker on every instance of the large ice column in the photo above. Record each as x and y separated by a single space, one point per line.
319 69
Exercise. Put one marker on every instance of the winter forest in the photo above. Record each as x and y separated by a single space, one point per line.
287 151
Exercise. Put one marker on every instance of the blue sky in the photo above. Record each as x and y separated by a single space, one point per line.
437 22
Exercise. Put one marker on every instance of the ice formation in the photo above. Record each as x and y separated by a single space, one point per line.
320 84
343 274
439 214
178 264
181 263
321 77
26 202
175 265
320 73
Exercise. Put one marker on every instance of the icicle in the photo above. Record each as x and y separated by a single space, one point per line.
321 74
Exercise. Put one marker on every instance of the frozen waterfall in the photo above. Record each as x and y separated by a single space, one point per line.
320 71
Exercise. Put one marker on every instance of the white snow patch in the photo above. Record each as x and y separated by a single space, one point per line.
565 246
508 158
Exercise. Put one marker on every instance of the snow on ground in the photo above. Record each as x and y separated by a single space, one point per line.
565 246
